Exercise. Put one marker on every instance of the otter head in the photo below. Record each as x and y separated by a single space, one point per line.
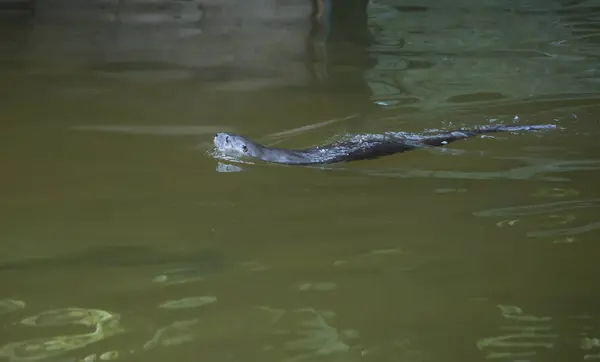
236 146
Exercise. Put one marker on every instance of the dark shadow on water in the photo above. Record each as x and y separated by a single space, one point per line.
336 48
205 260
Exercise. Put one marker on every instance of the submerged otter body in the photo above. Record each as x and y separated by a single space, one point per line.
357 148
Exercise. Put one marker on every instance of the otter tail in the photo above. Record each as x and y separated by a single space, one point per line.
442 139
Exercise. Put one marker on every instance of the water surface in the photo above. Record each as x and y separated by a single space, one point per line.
121 239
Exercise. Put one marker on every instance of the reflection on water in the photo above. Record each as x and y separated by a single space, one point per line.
104 323
189 302
10 305
302 334
531 336
303 330
525 339
223 167
181 275
119 241
174 334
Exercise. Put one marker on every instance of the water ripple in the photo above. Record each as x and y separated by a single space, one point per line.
535 170
538 209
546 217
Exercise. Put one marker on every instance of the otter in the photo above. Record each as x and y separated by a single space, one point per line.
361 147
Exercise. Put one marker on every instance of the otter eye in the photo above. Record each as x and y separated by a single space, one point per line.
244 148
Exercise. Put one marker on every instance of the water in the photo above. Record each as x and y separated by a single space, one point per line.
120 240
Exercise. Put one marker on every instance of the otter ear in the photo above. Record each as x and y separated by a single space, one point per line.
244 148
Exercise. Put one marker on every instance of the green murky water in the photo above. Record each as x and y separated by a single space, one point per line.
122 239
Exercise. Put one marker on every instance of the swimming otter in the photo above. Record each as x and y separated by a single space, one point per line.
360 147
